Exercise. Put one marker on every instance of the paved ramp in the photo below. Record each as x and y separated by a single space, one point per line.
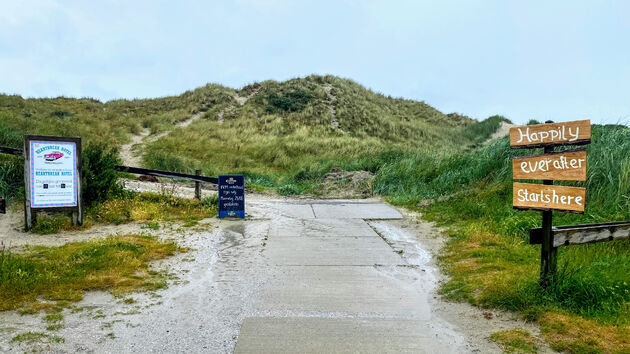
336 286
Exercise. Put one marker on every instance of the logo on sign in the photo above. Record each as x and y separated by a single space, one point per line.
55 155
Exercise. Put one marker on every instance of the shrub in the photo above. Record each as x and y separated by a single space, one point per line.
11 176
293 101
99 175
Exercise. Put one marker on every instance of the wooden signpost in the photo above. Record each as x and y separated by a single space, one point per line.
551 166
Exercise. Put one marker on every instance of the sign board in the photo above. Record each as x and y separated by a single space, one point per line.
548 197
551 134
231 196
560 166
52 175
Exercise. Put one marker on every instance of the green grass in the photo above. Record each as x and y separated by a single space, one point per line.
117 264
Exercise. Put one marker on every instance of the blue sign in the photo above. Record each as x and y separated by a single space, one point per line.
232 196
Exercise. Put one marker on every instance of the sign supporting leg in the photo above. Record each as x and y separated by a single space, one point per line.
197 185
548 252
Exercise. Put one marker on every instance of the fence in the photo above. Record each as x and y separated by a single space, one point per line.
197 177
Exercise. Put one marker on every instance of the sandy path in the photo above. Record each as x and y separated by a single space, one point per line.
504 130
131 153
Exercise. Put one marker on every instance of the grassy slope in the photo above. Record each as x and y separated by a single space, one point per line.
287 129
283 130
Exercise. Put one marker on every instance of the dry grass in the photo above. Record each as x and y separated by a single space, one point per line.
515 341
579 335
118 264
144 207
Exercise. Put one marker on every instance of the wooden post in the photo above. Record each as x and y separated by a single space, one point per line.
548 253
197 185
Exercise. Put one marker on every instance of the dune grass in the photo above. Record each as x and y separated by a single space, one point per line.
288 134
117 264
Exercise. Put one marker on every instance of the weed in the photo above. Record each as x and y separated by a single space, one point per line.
35 337
53 317
152 225
54 327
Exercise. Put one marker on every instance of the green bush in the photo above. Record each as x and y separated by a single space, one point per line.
290 189
294 101
99 175
11 176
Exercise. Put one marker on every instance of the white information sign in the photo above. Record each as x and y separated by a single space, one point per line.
53 174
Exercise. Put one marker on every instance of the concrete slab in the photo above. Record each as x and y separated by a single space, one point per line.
334 250
320 227
278 209
342 335
356 211
375 291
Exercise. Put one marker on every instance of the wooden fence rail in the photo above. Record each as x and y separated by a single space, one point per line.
587 233
158 173
11 151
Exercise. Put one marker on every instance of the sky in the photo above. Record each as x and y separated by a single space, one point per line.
557 60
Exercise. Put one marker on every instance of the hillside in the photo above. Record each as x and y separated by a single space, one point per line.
270 131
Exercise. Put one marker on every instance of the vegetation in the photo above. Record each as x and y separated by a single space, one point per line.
99 176
133 207
117 264
307 124
144 207
515 341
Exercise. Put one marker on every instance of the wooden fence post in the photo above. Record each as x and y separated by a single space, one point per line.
548 253
197 185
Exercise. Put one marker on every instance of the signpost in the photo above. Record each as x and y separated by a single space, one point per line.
566 165
52 176
231 196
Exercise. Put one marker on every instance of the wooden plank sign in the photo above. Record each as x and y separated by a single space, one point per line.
548 197
551 134
559 166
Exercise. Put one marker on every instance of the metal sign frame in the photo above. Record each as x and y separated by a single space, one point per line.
30 213
235 192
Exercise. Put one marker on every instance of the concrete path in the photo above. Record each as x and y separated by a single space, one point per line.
336 286
296 276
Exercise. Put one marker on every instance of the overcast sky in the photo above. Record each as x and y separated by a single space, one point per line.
560 60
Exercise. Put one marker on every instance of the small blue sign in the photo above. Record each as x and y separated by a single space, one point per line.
232 196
